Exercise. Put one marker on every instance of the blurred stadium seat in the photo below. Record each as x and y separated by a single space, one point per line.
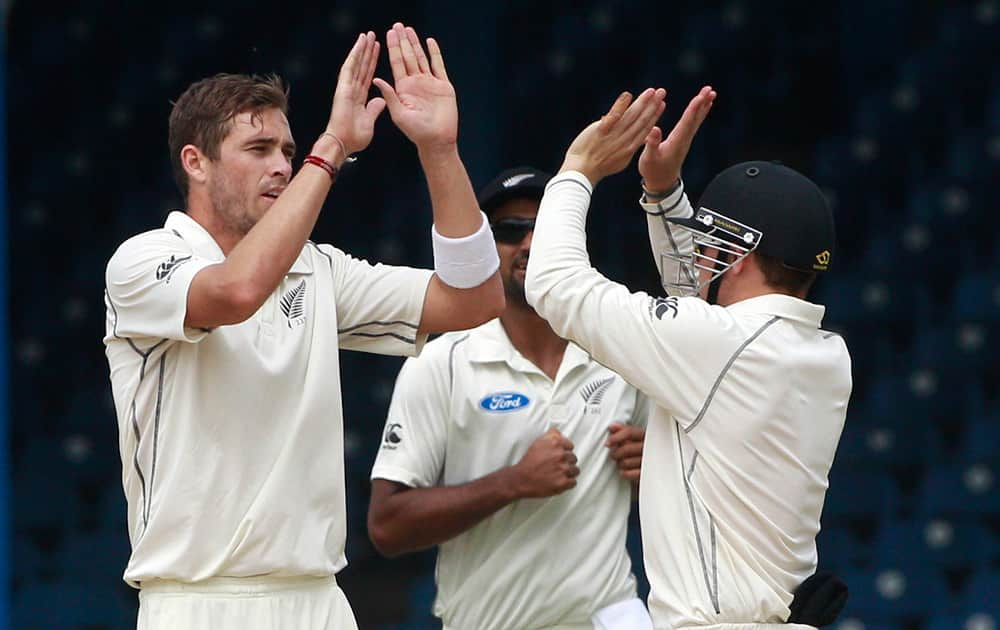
893 106
895 594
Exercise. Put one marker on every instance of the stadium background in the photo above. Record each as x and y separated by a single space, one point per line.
893 106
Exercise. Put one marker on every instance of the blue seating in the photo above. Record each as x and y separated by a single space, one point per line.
854 623
859 496
977 298
981 442
70 606
980 593
895 594
94 558
970 621
893 107
961 490
840 550
940 543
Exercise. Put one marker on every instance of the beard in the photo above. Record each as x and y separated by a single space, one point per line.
229 207
514 291
513 288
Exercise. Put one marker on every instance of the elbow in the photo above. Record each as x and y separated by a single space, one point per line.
242 301
383 540
533 290
486 303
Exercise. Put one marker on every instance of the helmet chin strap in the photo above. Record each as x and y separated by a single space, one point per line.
713 286
713 291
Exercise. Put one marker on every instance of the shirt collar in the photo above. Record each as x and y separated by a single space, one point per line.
204 245
491 343
784 306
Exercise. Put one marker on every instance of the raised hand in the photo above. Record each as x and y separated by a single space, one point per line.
548 468
606 146
352 116
422 103
661 160
625 444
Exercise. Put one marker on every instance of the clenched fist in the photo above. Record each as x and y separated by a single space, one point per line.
625 445
548 468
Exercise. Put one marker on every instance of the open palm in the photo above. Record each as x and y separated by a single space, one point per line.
661 160
422 103
352 115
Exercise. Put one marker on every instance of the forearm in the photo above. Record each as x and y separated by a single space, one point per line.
262 258
666 239
418 518
558 248
456 211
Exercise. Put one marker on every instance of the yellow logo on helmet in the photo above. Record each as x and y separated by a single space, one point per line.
822 260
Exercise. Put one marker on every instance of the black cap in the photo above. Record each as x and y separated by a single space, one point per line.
522 182
788 209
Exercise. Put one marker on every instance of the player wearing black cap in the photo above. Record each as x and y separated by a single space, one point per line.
749 393
513 451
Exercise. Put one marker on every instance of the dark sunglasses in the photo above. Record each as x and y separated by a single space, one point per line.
511 231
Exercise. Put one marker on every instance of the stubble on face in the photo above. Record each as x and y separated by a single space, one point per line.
230 206
239 179
513 283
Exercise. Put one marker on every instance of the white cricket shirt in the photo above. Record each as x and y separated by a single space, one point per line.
748 405
472 404
232 440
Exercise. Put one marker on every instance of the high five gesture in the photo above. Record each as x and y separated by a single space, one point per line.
352 116
422 103
661 160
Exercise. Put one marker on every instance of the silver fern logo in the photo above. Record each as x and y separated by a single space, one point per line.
593 393
516 179
293 304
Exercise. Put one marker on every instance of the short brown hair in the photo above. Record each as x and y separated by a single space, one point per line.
785 279
204 113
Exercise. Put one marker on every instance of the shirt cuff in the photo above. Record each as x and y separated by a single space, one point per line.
670 206
571 176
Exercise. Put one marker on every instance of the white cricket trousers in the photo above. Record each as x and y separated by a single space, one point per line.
257 603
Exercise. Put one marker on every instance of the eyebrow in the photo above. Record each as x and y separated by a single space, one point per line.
287 147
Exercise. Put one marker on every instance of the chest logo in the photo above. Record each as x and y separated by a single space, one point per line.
502 402
293 304
593 393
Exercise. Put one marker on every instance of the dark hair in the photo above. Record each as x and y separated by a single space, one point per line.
785 279
204 113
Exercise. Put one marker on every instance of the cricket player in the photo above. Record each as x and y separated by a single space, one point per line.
223 332
748 392
512 449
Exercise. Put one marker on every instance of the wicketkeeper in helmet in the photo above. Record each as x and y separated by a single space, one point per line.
749 392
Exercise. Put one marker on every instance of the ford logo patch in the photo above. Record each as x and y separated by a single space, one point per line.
502 402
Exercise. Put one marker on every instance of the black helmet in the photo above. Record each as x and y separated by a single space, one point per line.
786 207
752 206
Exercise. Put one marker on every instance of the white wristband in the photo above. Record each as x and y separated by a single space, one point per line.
466 261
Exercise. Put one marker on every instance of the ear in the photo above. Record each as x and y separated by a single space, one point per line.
196 164
740 265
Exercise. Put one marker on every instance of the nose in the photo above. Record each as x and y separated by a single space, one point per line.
526 241
282 167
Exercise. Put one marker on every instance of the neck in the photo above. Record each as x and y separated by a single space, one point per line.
533 338
747 291
224 234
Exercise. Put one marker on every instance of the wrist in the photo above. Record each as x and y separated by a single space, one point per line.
510 484
580 166
660 187
330 150
433 152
